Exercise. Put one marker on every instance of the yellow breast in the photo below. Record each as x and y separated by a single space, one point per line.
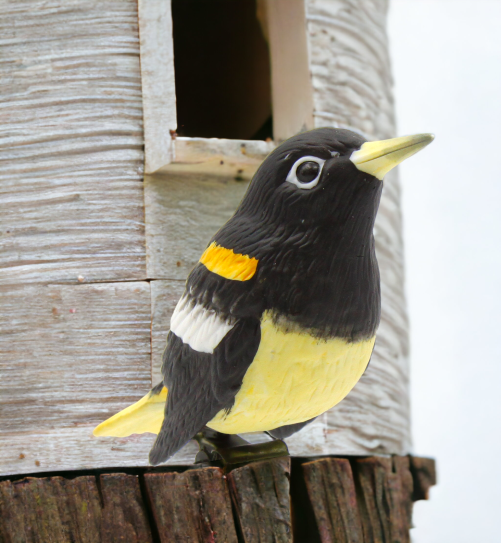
293 378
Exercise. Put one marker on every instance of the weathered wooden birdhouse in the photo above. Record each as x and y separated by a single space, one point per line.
130 131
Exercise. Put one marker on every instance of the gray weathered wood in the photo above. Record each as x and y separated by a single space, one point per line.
157 77
71 357
71 201
217 157
182 214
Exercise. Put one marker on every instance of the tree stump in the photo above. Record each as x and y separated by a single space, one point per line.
351 500
260 492
191 506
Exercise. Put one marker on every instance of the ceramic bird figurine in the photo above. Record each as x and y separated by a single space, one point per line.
279 317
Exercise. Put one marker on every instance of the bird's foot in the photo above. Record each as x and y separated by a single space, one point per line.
225 449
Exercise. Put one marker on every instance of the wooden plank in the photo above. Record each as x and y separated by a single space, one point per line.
158 86
50 509
332 494
71 356
191 506
219 157
124 517
385 498
260 493
71 201
292 94
182 214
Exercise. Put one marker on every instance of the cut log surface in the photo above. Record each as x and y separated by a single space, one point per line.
124 516
55 510
260 493
71 197
425 476
386 489
191 507
332 494
372 504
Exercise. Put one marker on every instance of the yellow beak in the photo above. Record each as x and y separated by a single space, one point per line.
379 157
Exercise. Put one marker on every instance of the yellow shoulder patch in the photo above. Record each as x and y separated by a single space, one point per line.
146 415
228 264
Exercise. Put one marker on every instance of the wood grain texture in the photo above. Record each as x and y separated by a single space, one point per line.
260 493
424 475
182 214
385 499
333 497
71 201
193 506
50 509
71 356
157 77
218 157
124 516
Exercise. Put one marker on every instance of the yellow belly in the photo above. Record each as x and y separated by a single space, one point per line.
294 377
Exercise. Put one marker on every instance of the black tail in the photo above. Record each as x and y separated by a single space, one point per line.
286 431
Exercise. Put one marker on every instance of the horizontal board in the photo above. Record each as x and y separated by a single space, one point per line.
71 200
71 356
219 157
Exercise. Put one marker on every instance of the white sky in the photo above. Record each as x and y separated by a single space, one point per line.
447 68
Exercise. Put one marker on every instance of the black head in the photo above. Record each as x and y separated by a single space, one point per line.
308 184
308 218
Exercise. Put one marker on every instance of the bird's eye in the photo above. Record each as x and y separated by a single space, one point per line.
305 173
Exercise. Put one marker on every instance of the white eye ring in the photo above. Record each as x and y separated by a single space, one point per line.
292 178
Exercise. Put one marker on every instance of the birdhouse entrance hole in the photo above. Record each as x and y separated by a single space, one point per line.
222 70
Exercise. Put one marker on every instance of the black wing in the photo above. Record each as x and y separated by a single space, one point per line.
202 384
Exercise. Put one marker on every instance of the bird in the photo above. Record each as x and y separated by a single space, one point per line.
278 319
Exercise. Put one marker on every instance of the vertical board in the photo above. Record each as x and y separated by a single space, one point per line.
157 76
